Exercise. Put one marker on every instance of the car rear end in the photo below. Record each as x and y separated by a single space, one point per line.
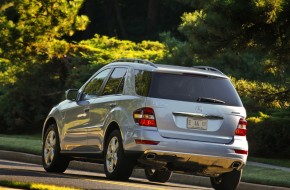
193 121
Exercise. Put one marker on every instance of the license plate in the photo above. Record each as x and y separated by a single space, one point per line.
193 123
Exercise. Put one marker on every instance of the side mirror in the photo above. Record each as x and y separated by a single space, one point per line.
71 94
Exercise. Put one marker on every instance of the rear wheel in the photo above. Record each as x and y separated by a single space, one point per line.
227 181
52 160
158 175
117 166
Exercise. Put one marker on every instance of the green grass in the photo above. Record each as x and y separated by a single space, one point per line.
21 143
266 176
276 162
34 186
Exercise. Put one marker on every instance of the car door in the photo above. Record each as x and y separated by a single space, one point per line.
77 117
103 105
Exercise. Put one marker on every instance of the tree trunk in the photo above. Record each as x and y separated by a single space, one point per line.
110 17
152 15
119 19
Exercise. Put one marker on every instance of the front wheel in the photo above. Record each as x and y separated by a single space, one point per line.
52 160
161 176
117 166
227 181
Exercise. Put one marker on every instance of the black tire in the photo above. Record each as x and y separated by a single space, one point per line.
52 160
161 176
227 181
123 167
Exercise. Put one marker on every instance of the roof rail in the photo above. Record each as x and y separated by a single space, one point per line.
135 61
208 69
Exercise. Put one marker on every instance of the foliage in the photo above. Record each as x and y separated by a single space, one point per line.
37 64
101 49
29 102
31 33
250 41
268 134
90 55
235 36
261 95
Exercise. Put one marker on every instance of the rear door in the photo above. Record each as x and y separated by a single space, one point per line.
195 107
103 105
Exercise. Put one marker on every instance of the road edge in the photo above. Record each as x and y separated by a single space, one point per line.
139 173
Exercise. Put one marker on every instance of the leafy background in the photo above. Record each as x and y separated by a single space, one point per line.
49 46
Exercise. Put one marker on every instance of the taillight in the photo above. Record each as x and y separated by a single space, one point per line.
149 142
242 127
241 151
145 117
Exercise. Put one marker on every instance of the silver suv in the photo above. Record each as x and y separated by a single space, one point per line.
162 118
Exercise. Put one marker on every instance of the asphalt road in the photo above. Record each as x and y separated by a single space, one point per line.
25 172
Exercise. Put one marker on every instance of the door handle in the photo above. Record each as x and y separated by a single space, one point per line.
112 105
86 109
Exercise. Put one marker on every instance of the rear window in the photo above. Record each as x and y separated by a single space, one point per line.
189 88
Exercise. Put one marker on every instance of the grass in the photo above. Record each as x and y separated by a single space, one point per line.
266 176
34 186
21 143
276 162
252 174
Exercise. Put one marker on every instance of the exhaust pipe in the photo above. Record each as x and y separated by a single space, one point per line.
236 165
150 156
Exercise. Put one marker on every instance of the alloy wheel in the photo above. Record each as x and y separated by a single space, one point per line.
49 147
112 154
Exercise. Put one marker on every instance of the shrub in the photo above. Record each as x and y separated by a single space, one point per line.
268 135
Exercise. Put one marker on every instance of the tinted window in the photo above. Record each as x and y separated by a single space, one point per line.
142 82
94 86
191 88
115 83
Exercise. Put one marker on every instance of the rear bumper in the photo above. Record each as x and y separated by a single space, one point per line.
185 156
204 165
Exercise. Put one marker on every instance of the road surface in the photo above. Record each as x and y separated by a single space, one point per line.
25 172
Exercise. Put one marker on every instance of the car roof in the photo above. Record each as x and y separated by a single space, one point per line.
149 66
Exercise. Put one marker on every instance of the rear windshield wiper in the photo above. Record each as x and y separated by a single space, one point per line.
211 100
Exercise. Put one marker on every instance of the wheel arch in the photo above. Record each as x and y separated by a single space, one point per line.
111 127
48 122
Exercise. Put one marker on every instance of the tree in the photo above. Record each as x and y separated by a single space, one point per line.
250 41
246 38
32 51
38 64
32 31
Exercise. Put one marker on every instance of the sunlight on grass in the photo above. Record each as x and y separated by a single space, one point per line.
32 186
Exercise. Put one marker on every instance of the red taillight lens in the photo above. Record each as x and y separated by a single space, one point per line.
149 142
241 151
145 117
242 128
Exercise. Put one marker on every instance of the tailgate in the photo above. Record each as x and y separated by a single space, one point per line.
196 121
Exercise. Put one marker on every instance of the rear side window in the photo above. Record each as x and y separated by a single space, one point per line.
142 82
115 83
192 88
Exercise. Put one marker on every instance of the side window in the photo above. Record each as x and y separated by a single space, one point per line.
115 83
142 82
94 86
